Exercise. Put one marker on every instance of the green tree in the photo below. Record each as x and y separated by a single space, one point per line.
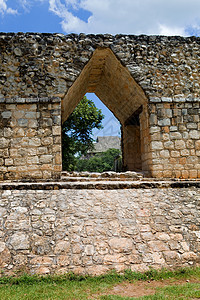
77 132
100 162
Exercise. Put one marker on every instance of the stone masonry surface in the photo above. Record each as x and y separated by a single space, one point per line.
151 83
175 139
46 65
93 231
30 142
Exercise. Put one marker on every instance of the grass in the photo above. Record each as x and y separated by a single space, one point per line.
76 287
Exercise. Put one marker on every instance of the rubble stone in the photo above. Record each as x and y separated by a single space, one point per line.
92 230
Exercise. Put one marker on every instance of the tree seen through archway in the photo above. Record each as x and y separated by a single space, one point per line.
79 133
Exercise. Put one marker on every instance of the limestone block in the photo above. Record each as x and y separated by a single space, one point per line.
95 270
4 142
171 257
34 142
164 154
62 246
8 161
30 115
121 244
179 144
6 114
56 130
5 259
147 236
22 122
2 246
45 159
89 250
19 241
164 122
189 256
33 123
175 136
41 260
175 154
18 114
169 145
158 258
157 145
7 132
194 134
114 258
63 260
32 160
162 236
185 152
158 246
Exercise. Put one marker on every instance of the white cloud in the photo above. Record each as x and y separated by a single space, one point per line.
129 16
25 4
69 21
164 30
4 9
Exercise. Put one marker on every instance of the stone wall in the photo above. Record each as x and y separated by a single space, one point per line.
43 65
30 139
157 74
175 138
46 228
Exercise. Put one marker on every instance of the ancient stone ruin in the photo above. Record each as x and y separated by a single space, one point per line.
150 83
92 223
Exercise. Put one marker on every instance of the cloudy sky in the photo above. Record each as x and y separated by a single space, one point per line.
167 17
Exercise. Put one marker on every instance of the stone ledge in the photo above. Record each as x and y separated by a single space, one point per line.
103 185
30 100
176 99
106 174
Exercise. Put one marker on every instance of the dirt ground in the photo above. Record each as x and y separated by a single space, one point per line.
142 288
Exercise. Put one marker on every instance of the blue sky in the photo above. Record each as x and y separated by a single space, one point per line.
171 17
111 126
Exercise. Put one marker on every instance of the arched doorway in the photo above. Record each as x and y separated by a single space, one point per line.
105 76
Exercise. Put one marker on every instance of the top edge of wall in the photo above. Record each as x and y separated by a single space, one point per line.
149 38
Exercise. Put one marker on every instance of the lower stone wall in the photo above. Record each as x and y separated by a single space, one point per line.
93 231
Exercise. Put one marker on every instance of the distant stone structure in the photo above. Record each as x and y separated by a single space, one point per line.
104 143
150 83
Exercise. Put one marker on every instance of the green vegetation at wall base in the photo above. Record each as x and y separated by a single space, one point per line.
71 286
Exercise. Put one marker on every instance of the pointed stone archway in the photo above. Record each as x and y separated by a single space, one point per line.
105 76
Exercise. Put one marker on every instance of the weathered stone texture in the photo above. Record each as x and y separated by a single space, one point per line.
43 65
30 144
93 231
150 83
174 135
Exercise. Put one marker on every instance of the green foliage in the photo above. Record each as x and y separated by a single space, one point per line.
77 132
99 163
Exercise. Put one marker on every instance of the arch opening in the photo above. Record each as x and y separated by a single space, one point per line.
112 83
